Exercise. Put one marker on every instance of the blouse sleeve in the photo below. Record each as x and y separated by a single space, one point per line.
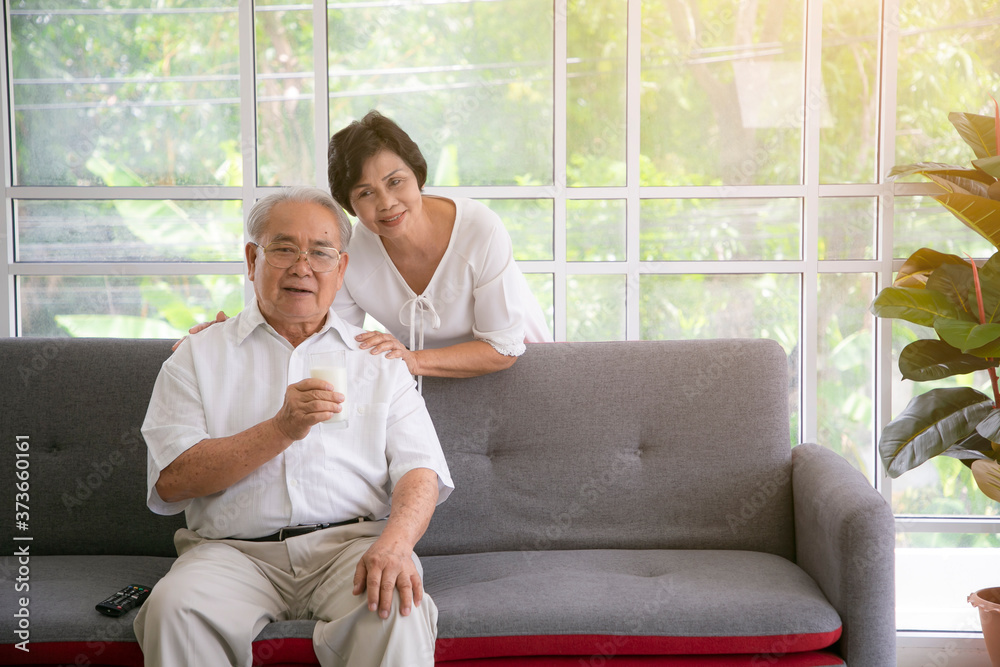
499 308
347 308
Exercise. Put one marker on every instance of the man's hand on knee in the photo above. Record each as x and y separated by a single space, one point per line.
384 568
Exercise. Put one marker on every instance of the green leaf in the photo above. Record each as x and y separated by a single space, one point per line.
957 181
965 335
921 168
919 306
982 334
956 282
978 213
989 428
921 264
117 326
930 424
954 332
989 351
977 131
989 283
973 448
932 359
990 165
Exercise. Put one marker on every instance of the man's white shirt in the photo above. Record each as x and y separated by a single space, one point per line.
233 376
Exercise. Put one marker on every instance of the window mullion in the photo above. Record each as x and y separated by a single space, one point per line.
633 116
560 39
888 67
321 85
248 114
809 350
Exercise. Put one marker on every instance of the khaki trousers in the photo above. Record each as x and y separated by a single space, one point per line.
219 594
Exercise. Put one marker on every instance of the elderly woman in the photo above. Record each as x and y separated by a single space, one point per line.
438 273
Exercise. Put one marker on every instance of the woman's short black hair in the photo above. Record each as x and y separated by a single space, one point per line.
351 146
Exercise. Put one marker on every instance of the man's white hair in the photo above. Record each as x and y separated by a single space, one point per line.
260 213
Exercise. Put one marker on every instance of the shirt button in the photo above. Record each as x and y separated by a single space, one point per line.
361 409
293 482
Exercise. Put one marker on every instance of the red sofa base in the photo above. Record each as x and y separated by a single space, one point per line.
523 651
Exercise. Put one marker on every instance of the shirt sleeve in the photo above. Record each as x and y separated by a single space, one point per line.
499 298
175 422
347 308
411 441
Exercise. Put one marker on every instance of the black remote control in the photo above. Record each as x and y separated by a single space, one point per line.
121 602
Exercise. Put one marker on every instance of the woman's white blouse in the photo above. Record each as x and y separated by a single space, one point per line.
476 293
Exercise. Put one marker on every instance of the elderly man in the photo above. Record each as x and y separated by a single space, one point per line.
286 515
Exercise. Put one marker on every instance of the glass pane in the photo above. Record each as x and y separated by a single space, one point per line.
849 109
285 89
845 368
847 227
470 82
529 223
123 306
595 307
541 286
922 222
595 230
720 229
935 573
128 95
595 92
700 306
943 485
722 98
129 230
948 60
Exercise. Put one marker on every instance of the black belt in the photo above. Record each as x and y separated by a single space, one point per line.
293 531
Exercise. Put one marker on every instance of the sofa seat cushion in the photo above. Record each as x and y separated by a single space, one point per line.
645 602
65 628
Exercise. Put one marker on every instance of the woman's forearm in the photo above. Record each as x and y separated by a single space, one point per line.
464 360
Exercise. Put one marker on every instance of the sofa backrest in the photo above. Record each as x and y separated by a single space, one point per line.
80 403
672 444
642 445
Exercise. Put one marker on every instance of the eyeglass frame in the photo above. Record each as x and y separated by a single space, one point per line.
301 252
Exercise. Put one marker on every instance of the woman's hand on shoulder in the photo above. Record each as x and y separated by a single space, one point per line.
219 317
379 342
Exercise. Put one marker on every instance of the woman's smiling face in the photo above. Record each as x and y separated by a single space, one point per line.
387 198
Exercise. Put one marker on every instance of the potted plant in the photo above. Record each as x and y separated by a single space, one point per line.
960 300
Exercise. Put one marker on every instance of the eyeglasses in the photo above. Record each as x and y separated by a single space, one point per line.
283 255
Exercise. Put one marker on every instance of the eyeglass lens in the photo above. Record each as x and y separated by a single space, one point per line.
283 255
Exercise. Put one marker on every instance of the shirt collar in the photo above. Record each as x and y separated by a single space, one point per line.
251 318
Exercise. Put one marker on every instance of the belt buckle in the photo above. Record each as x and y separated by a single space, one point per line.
295 531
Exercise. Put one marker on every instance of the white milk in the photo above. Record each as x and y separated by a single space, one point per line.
337 376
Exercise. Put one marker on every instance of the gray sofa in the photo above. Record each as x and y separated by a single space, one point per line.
623 503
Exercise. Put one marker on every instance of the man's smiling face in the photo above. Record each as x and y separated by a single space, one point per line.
296 296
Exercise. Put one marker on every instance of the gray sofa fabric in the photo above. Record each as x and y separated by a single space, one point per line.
674 593
842 528
592 445
606 489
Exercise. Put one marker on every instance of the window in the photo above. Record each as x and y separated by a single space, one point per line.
683 169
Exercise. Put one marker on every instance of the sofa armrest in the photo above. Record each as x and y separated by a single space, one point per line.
845 540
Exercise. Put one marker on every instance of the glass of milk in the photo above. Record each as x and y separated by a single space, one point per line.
332 367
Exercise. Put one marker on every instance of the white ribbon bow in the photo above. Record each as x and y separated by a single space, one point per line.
424 304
